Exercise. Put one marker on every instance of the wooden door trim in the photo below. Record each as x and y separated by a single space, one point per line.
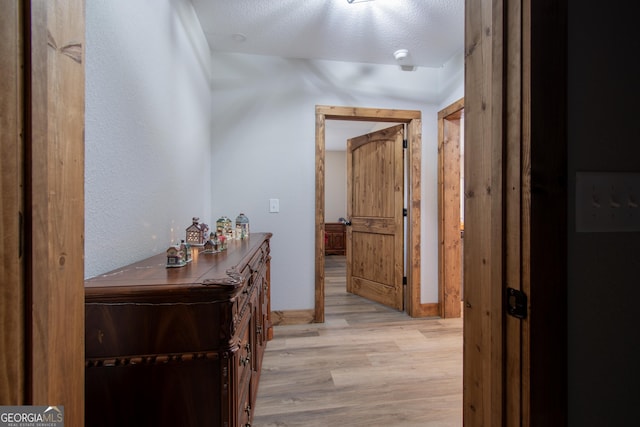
12 304
413 120
483 360
55 188
515 212
449 245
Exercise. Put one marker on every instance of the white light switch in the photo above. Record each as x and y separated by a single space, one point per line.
607 201
274 205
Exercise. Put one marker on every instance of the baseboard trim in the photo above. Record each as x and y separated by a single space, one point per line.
303 317
292 317
427 310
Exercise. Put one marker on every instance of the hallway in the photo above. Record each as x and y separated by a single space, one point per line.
367 365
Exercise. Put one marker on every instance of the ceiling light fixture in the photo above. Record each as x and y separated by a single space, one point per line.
357 1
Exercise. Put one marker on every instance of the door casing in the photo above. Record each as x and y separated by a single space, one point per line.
449 240
413 121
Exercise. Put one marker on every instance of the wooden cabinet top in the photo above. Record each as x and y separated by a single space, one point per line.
216 275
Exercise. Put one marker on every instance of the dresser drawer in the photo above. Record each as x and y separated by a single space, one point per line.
127 329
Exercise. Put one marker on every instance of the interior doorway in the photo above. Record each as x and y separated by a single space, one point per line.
413 121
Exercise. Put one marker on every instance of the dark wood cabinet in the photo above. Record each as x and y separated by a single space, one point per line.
335 238
179 346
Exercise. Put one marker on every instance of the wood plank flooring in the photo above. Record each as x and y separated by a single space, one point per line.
367 365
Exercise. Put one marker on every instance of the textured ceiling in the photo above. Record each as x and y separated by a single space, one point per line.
362 31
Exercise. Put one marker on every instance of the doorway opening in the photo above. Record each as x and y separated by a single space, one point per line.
413 121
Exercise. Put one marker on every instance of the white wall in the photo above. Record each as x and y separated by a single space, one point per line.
264 147
335 188
147 143
171 135
452 81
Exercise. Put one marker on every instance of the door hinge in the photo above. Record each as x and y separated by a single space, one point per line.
404 212
516 303
405 143
404 280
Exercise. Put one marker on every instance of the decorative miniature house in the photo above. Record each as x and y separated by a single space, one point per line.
209 247
223 227
179 255
197 232
242 226
212 245
186 248
175 256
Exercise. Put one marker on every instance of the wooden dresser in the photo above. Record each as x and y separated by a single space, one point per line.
335 238
178 346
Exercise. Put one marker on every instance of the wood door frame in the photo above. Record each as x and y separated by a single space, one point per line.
514 370
12 305
449 255
45 45
413 120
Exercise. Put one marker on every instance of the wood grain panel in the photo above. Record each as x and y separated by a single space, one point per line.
292 317
57 203
319 220
375 240
483 214
413 303
367 114
12 386
369 253
373 191
513 212
451 237
450 241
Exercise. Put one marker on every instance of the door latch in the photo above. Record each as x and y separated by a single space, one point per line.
516 303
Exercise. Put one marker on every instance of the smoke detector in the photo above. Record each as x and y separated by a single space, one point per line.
401 54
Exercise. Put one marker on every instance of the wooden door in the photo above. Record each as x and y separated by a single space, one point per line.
375 189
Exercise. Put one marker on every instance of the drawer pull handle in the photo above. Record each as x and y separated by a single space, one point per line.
245 360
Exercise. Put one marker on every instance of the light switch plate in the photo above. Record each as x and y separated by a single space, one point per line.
607 201
274 205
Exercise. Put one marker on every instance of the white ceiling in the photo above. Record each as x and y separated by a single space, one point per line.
365 31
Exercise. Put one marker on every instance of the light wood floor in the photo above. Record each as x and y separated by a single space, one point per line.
367 365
